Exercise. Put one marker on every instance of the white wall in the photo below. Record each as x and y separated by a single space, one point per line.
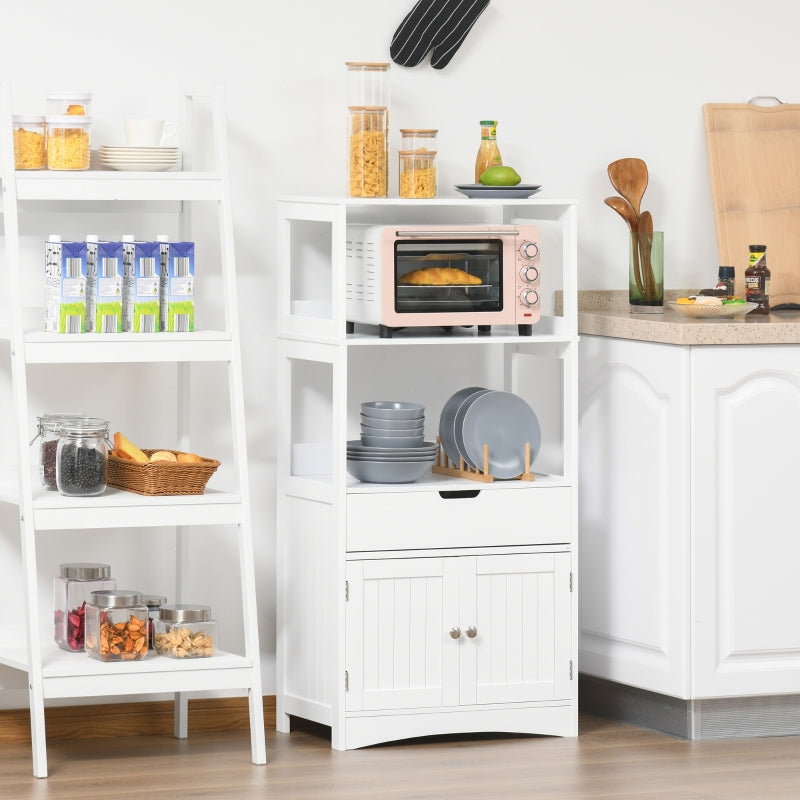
574 85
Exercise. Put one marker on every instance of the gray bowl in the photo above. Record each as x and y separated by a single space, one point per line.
393 424
388 471
393 409
393 441
388 433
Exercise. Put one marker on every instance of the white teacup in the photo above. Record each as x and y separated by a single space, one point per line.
148 132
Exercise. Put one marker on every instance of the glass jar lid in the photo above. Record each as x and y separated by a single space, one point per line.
185 612
116 598
153 600
419 131
370 65
49 422
416 153
85 571
69 96
68 120
27 119
83 426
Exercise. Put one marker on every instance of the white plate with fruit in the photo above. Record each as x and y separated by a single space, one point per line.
711 307
500 181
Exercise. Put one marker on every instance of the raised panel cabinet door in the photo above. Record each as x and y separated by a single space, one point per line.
399 649
745 520
516 614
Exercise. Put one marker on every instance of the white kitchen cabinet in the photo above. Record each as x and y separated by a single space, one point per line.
77 366
443 605
688 505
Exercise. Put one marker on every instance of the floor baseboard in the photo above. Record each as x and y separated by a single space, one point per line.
133 719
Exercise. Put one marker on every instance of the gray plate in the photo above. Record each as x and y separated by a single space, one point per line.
447 419
476 190
390 457
505 422
393 441
358 447
458 425
391 433
385 472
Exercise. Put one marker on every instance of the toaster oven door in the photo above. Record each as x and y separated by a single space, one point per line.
443 275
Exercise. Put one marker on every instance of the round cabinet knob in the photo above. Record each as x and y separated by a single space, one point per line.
472 631
529 249
529 274
455 633
530 297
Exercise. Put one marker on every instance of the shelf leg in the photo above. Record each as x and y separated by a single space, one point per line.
258 746
181 712
38 739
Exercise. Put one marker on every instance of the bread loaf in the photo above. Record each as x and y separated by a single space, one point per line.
126 448
439 276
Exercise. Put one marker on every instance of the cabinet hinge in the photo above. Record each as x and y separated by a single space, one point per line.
570 669
346 591
570 581
346 681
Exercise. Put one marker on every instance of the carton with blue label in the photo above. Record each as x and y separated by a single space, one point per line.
178 288
65 286
140 286
108 291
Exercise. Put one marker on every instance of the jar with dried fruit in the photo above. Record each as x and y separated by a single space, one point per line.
185 631
153 603
72 589
116 625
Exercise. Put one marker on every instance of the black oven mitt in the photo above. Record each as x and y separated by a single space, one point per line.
439 24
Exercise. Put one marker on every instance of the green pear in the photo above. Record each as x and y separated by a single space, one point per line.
500 176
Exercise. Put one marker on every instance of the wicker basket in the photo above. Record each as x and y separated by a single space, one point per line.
160 477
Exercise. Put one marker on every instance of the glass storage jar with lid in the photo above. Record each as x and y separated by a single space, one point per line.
29 142
47 431
116 625
184 630
418 138
72 589
367 128
69 103
417 173
153 603
68 142
82 456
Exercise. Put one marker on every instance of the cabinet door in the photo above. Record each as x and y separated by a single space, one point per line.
519 609
399 650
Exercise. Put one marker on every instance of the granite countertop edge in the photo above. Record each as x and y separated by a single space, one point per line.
607 313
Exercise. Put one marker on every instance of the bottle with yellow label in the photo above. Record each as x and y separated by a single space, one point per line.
488 152
756 279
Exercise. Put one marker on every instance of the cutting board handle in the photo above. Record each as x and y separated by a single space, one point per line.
759 100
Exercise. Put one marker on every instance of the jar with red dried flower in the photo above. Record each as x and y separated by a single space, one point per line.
72 589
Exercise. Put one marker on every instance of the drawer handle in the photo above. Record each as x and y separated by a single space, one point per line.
455 633
472 631
455 494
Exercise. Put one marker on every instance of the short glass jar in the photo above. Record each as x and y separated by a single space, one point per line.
29 142
153 603
185 631
116 625
72 589
68 142
81 457
47 432
73 104
417 173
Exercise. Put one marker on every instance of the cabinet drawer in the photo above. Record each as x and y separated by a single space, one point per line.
467 518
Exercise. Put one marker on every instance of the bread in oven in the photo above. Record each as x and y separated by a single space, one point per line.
439 276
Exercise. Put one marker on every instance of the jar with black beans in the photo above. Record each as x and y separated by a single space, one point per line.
82 456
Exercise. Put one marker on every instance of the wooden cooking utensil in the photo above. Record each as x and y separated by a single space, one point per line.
629 177
624 209
645 240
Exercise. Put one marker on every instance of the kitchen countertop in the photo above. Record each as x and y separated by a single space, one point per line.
606 313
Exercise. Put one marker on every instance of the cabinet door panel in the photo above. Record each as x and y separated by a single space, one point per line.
522 614
399 613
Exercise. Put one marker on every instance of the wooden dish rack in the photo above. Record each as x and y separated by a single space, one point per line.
444 466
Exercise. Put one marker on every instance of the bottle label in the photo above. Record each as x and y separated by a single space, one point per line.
757 259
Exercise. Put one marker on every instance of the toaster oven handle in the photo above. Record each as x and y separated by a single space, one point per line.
460 232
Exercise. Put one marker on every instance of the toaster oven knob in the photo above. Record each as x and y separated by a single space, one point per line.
529 249
529 274
530 297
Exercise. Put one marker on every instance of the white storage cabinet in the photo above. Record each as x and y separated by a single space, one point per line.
445 605
169 362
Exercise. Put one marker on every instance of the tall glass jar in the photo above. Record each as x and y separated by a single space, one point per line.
368 151
116 625
185 631
47 433
72 589
82 456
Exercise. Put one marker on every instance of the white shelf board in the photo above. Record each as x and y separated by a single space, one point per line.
107 185
90 348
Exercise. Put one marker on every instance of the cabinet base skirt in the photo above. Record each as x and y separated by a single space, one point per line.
710 718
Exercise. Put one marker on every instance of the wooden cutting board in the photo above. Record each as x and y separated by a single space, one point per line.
754 161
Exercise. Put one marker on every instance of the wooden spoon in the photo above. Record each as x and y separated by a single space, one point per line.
624 209
645 246
629 177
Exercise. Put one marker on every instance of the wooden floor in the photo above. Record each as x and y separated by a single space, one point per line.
607 760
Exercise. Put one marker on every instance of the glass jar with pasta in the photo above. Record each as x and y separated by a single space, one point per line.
368 151
68 141
417 173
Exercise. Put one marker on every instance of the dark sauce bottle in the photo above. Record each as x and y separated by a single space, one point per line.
756 279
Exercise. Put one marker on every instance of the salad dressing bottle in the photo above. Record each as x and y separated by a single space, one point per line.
488 152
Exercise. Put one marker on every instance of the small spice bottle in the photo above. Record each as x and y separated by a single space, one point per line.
153 603
185 631
29 142
81 456
726 279
116 625
71 590
47 431
756 279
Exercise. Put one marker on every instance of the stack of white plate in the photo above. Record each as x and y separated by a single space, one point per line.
392 448
474 417
139 159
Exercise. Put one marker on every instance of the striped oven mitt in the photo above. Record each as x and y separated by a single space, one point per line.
439 24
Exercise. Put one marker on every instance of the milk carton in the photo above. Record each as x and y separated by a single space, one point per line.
65 286
140 286
178 287
128 281
91 281
108 304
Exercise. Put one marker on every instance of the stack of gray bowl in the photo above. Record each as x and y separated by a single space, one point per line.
392 448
